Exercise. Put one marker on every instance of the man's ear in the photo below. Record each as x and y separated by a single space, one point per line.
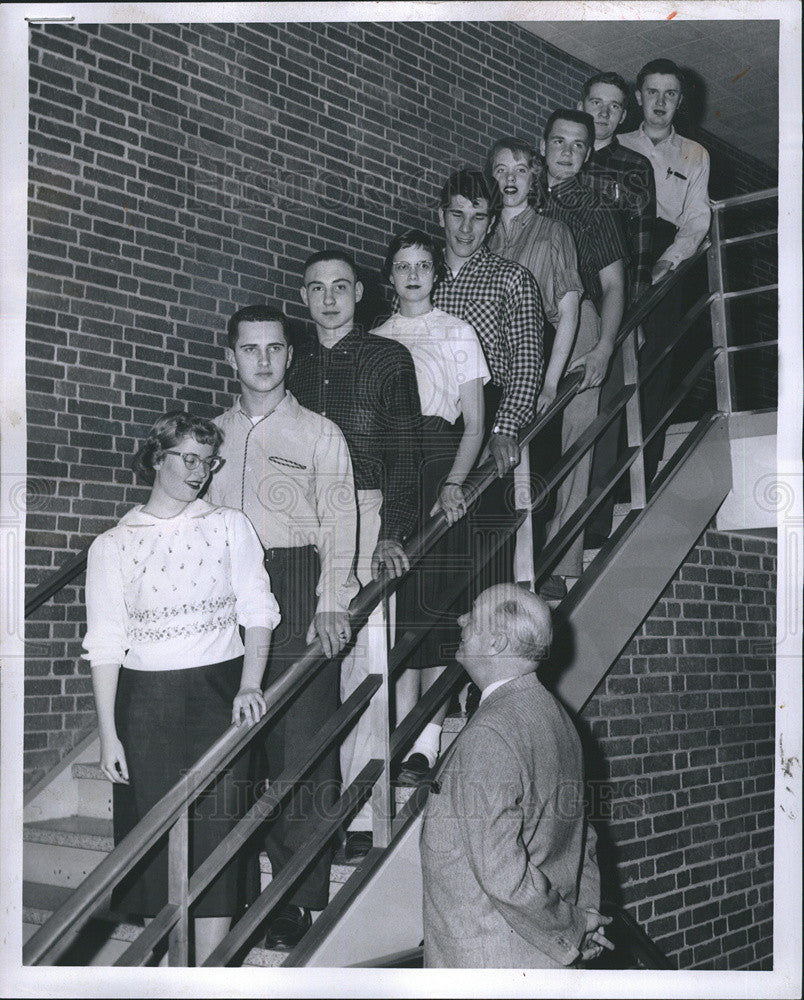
498 642
579 105
358 291
638 94
441 221
290 357
542 147
304 294
230 357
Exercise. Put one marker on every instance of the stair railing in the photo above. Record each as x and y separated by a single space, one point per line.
171 814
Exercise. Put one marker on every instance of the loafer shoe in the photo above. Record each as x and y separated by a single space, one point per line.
358 844
554 588
414 770
287 927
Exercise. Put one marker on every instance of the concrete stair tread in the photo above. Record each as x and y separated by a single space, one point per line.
89 769
40 901
71 831
263 958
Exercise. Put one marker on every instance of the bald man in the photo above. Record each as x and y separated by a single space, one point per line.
508 859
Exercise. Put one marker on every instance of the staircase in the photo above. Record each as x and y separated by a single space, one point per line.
61 850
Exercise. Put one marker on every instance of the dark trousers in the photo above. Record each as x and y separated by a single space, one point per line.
608 449
491 518
659 327
294 574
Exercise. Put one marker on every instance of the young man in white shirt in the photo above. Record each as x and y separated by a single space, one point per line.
290 471
681 173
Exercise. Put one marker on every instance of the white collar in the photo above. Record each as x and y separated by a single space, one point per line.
492 687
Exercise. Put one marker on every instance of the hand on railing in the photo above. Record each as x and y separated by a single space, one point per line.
660 269
248 707
595 365
391 557
333 629
504 450
452 501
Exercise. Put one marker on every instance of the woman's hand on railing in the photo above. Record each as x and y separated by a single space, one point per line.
248 707
113 759
660 269
546 397
452 501
595 364
334 630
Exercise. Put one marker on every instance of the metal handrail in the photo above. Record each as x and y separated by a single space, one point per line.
165 813
88 896
744 199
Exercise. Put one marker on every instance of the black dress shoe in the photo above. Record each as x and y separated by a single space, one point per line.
287 927
414 770
358 844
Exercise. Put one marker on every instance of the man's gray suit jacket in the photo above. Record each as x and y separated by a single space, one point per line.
508 858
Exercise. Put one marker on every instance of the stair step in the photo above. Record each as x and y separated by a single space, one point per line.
94 790
86 832
263 958
101 942
62 852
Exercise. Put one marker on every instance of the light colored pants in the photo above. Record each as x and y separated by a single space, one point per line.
363 742
578 415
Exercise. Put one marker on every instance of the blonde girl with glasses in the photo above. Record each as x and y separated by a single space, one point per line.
168 590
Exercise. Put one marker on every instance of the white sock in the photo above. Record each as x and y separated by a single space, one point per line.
428 743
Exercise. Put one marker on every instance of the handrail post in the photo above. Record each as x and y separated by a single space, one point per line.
714 257
633 421
178 888
380 709
523 544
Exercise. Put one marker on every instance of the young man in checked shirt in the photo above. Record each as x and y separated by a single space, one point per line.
623 179
367 386
568 140
501 301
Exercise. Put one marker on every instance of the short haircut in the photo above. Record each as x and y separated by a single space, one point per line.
571 115
332 253
612 79
414 238
517 145
260 312
664 66
472 185
166 434
515 619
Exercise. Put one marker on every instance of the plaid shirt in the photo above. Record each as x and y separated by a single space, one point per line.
367 386
623 179
501 301
595 228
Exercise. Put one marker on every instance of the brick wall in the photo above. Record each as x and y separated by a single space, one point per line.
680 751
178 172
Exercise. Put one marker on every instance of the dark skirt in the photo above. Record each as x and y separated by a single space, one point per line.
166 719
449 560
